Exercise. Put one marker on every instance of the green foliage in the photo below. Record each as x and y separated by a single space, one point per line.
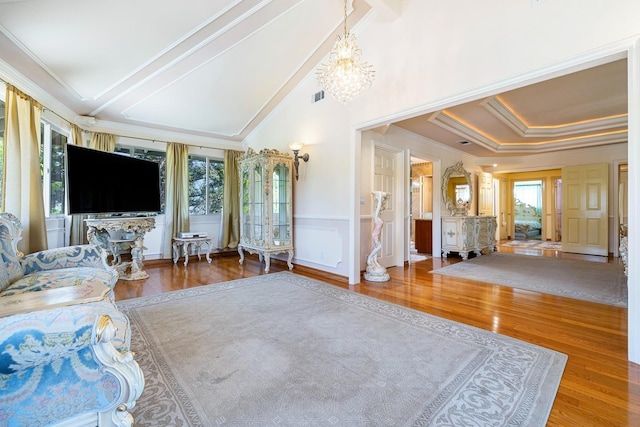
206 185
216 186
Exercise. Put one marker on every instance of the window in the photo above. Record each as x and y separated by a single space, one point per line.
206 183
154 156
52 164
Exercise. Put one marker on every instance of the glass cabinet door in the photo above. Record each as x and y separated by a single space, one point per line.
281 232
245 219
258 203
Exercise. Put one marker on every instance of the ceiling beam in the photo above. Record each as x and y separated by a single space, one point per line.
388 9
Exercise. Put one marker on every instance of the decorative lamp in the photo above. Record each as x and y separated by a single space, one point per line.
345 76
296 147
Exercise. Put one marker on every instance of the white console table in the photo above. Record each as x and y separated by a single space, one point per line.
185 242
122 234
464 234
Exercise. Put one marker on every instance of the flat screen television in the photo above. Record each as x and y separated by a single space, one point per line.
99 182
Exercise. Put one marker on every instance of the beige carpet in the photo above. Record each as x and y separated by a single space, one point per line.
281 349
584 280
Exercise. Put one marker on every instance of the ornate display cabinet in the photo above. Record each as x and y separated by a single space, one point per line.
266 212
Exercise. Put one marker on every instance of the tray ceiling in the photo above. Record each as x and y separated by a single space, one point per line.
582 109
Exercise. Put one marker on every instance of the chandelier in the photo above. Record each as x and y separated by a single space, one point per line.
345 76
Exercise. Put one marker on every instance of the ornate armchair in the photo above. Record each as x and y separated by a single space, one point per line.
64 345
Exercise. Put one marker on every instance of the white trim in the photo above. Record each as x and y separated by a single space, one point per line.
633 317
615 197
355 152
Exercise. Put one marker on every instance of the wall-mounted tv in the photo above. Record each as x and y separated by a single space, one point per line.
99 182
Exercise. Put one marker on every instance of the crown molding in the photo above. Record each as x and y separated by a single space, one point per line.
506 115
456 126
452 124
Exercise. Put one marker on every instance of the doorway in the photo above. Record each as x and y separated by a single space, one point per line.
421 209
527 210
557 201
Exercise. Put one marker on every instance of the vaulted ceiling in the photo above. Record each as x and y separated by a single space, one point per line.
216 68
203 67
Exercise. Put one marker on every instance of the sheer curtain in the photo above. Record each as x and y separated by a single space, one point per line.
176 210
22 168
231 201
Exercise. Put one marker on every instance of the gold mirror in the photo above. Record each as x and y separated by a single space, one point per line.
457 191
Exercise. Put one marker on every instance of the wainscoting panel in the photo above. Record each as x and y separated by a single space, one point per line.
321 243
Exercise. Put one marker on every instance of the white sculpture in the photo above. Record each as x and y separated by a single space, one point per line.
375 272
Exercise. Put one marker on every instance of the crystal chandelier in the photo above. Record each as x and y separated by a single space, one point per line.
345 76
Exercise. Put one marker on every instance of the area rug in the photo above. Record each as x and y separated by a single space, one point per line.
533 244
418 257
599 282
282 349
554 246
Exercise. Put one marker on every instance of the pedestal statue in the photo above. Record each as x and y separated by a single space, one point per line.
375 272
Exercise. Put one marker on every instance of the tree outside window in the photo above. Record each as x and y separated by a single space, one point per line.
52 169
216 186
57 174
206 183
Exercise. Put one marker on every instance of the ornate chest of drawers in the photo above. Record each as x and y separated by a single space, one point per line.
464 234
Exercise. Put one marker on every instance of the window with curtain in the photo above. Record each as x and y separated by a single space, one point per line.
206 180
52 163
206 184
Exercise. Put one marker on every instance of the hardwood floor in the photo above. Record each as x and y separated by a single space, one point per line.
598 388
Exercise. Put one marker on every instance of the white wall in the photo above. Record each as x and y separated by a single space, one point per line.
320 197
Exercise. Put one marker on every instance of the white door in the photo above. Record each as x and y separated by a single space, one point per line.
585 215
485 194
385 170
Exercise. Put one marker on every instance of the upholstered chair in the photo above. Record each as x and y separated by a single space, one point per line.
64 345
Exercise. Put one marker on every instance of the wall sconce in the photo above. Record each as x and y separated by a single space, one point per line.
296 147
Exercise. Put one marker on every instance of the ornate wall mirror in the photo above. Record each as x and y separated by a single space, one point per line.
457 191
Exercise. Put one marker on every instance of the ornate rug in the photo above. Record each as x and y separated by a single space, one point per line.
599 282
282 349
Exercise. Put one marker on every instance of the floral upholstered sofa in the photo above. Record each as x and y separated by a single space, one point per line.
64 345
